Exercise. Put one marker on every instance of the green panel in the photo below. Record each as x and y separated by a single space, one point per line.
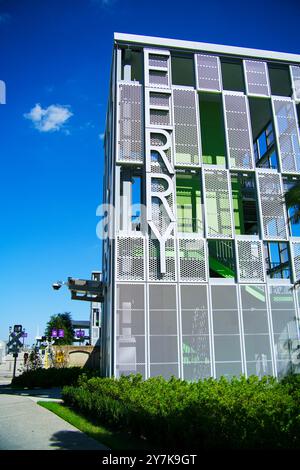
237 204
212 130
220 268
188 200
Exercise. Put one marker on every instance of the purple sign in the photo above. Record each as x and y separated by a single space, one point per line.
24 335
79 333
54 334
61 333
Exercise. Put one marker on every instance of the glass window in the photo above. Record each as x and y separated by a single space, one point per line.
228 369
232 75
285 328
280 80
277 260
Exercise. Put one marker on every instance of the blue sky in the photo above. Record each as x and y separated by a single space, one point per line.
55 60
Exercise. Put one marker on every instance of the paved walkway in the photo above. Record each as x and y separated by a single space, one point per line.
24 425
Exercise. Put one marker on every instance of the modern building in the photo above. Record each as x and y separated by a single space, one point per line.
199 256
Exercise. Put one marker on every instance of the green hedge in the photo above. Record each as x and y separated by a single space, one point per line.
241 413
52 377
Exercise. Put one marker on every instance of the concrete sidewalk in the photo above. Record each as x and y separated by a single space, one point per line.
24 425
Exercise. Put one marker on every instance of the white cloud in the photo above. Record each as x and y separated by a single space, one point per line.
50 119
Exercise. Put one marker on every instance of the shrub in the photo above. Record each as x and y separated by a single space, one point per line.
52 377
241 413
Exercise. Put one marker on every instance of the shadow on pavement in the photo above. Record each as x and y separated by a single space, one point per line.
54 393
74 440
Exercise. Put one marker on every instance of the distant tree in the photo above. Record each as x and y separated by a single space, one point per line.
61 321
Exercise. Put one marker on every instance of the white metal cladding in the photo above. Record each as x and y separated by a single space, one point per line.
154 260
186 127
285 328
250 261
160 117
157 68
295 74
295 249
192 259
130 258
130 329
256 329
158 138
287 133
238 131
163 330
272 207
257 78
217 193
227 330
130 148
208 72
158 108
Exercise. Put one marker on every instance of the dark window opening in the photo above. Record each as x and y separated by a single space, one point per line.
131 199
277 260
244 200
183 73
263 132
232 75
280 80
135 60
221 259
212 129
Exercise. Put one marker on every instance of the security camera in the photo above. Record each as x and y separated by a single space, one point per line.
56 285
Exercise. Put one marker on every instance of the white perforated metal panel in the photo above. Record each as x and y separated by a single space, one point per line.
159 99
287 133
217 195
158 78
130 148
157 165
250 261
295 74
160 117
272 207
158 60
154 261
157 68
158 108
130 258
238 131
186 127
295 249
257 78
208 72
192 260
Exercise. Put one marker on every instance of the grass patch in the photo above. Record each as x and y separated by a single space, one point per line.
113 440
